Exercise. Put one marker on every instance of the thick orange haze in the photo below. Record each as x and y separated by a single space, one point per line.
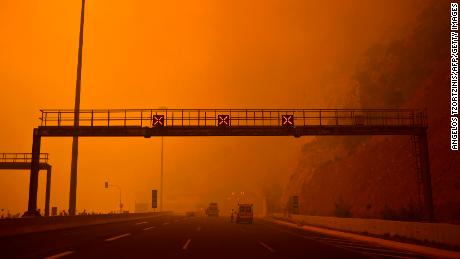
177 54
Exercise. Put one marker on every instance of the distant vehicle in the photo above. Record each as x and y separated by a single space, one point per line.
190 214
212 210
245 213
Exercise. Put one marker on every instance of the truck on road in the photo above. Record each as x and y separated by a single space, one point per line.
245 213
212 210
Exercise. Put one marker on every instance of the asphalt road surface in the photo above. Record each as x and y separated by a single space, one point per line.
182 237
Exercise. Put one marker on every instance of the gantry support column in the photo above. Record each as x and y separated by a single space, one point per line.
48 191
426 177
34 169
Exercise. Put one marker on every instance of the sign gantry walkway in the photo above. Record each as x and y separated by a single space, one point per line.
232 122
237 122
22 161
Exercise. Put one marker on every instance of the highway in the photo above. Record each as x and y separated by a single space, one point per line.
175 236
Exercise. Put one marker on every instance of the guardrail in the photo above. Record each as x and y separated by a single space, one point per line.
237 117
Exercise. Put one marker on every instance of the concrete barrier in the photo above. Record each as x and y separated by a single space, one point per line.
436 233
19 226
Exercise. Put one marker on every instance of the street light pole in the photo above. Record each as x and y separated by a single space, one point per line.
107 185
161 166
121 204
161 185
73 167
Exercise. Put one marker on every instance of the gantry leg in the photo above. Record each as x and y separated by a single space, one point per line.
34 169
426 177
48 191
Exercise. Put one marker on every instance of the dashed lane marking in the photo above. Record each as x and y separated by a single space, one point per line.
267 247
140 223
149 228
166 223
117 237
186 244
198 228
60 255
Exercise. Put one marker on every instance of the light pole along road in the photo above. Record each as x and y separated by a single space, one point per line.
74 163
107 185
161 168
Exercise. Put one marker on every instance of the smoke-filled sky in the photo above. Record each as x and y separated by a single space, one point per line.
177 54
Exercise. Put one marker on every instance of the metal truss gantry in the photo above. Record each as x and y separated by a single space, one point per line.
238 122
23 161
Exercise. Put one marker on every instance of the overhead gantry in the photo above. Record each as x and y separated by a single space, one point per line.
22 161
238 122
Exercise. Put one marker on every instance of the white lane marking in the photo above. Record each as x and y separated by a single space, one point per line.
198 228
186 244
377 249
177 220
66 253
381 251
140 223
117 237
149 228
388 255
329 239
266 246
166 223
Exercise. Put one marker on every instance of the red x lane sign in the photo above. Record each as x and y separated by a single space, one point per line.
158 121
223 120
287 120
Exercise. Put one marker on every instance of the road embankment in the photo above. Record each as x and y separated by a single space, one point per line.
19 226
437 234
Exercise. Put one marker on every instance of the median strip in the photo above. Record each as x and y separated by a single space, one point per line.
117 237
60 255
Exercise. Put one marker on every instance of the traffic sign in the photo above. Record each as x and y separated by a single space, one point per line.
158 120
223 120
359 120
287 120
154 199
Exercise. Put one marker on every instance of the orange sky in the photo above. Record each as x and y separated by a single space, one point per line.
177 54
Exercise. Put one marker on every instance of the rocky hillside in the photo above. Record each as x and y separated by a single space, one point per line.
375 176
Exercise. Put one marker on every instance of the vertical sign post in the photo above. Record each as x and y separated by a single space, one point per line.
154 199
293 205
